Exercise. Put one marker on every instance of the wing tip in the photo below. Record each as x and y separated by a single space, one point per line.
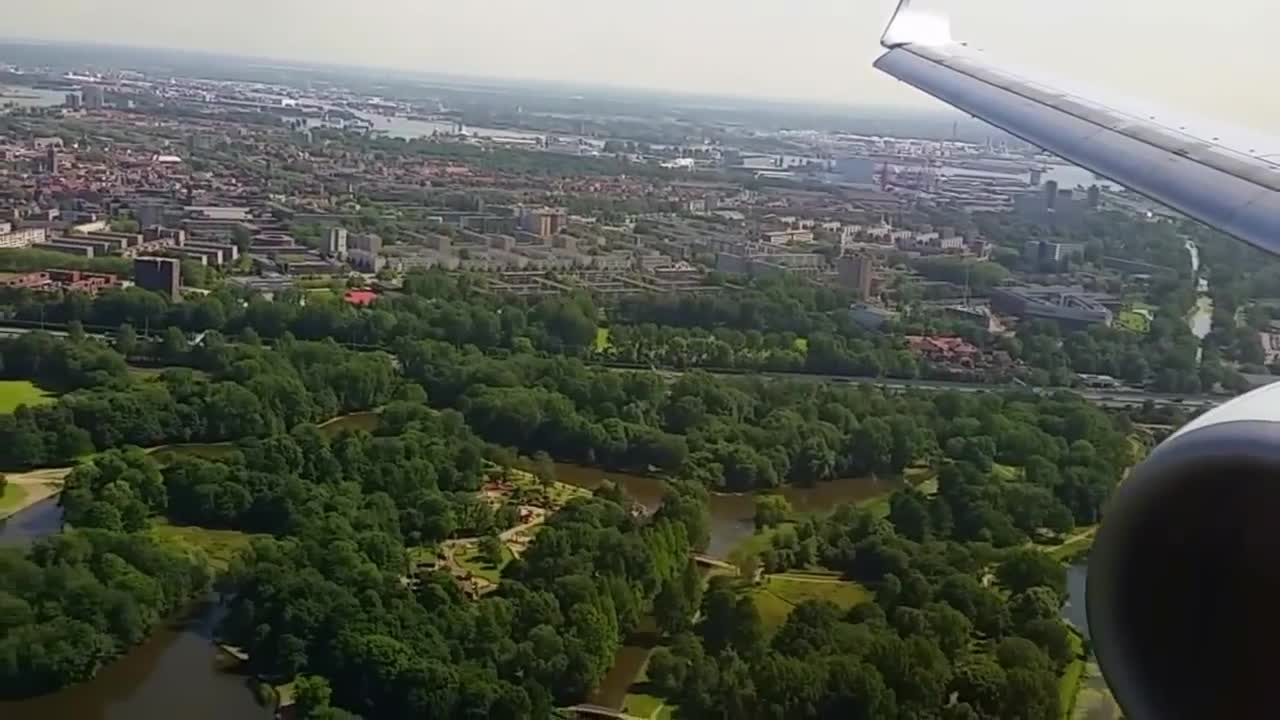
910 25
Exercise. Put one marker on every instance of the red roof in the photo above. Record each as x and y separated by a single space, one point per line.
360 297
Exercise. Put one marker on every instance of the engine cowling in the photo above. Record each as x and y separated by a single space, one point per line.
1184 577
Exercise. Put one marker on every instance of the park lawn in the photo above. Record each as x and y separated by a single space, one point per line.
641 705
640 700
799 587
22 392
1069 683
1070 550
878 505
1007 473
222 546
367 421
11 496
773 610
602 339
779 594
469 559
284 695
169 454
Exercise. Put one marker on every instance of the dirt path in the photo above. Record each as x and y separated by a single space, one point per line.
38 485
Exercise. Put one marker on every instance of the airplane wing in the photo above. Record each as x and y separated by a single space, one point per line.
1234 190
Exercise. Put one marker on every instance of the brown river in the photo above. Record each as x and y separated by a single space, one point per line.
178 672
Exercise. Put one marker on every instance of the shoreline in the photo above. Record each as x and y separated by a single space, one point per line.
38 486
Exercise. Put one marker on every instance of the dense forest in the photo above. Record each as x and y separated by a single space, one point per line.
331 594
936 643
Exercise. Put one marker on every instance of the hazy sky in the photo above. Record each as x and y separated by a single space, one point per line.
801 49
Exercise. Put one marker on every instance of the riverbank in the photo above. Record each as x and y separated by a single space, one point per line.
32 488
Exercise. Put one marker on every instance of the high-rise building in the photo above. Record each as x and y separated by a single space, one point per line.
73 101
543 222
1095 197
160 274
148 212
1051 194
856 273
94 97
51 160
337 245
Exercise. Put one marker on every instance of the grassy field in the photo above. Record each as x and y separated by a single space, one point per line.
640 700
12 496
1075 547
367 421
1007 473
641 705
22 392
1069 683
779 594
470 560
167 454
222 546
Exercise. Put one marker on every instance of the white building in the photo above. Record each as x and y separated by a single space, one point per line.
21 238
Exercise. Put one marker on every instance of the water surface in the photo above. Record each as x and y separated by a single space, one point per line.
176 673
732 515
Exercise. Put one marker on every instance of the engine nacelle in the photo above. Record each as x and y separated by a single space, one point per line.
1184 577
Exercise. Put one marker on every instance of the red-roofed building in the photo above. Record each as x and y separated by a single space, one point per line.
944 349
360 297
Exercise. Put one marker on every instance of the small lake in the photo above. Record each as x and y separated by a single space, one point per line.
732 515
176 673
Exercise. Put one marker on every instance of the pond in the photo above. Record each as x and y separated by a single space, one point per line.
732 515
176 673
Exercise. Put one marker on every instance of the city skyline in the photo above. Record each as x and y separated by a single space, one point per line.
1195 63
